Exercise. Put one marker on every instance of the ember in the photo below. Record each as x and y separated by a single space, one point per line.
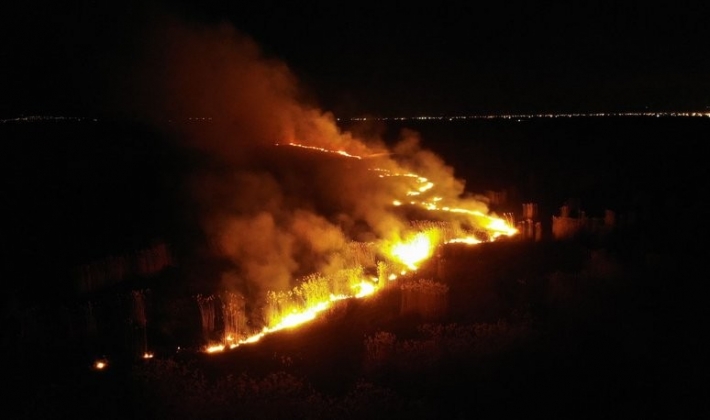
100 364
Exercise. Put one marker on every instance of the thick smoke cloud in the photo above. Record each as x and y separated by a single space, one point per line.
274 212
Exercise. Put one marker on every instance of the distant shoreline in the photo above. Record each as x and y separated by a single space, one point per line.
682 114
648 114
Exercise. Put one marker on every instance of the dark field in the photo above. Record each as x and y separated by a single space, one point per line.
593 327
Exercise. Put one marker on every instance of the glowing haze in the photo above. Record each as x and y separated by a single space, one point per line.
287 201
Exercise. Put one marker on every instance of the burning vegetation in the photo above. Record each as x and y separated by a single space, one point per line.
344 266
297 212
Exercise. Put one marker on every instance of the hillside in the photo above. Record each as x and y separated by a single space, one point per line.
588 327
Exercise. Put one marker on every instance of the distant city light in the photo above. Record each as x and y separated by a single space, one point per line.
531 116
519 117
38 118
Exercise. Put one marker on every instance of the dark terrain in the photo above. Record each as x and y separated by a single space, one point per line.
593 327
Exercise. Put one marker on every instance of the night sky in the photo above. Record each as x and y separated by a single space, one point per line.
381 58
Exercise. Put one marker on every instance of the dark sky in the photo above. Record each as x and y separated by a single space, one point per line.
383 58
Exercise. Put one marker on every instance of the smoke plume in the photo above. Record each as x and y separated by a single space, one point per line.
273 211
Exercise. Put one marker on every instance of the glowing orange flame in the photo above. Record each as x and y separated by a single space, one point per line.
215 348
469 240
295 317
320 149
100 364
366 289
415 250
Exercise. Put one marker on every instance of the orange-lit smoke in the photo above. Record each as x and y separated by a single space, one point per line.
276 213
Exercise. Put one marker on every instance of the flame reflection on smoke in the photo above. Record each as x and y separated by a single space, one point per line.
281 224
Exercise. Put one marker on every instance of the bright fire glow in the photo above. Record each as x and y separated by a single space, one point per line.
100 364
366 289
320 149
296 317
469 240
415 250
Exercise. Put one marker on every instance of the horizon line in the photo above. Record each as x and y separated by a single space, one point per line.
654 114
492 116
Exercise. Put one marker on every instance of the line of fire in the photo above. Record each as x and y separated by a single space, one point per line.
211 321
